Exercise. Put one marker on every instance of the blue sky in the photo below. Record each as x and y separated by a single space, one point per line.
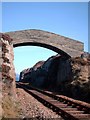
67 19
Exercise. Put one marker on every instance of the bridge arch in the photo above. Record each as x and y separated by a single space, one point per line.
59 51
58 43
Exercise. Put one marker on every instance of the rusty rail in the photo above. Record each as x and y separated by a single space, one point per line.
75 103
67 108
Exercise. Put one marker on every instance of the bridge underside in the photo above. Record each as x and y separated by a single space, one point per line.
62 53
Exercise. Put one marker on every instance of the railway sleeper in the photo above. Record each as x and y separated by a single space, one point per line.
82 116
74 112
69 109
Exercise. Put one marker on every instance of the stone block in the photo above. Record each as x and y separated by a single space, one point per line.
6 37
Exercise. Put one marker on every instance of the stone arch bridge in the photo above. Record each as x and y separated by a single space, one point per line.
63 45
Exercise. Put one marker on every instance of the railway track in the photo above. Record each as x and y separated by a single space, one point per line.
68 108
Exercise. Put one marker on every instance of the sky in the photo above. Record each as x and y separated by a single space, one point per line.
68 19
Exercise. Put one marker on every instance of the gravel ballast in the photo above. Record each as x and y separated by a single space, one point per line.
29 107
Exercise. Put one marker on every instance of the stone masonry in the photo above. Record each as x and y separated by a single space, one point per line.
7 71
62 45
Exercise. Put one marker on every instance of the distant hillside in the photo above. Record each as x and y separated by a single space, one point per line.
17 77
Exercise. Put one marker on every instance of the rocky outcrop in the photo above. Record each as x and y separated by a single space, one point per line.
70 77
38 65
25 75
80 85
43 74
74 77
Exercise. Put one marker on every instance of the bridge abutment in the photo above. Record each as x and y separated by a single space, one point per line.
7 73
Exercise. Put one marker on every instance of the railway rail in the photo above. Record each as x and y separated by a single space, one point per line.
66 107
